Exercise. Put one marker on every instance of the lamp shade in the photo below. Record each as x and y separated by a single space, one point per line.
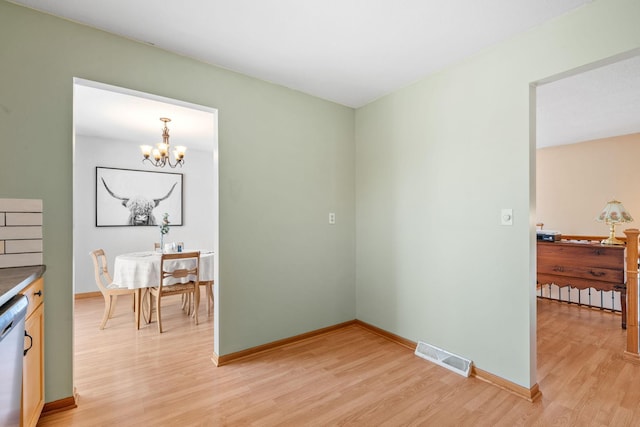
614 213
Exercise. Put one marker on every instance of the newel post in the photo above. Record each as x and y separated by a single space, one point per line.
631 352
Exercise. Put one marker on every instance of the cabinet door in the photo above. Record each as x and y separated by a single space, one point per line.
33 369
35 295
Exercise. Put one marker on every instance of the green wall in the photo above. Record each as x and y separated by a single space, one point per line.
285 159
431 167
436 162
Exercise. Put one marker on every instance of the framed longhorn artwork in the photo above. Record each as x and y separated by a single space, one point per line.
130 198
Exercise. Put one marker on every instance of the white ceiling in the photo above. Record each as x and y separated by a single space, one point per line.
355 51
595 104
104 111
347 51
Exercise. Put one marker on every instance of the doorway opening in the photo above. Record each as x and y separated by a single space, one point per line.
585 143
110 124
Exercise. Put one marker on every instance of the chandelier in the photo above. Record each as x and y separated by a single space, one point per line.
161 154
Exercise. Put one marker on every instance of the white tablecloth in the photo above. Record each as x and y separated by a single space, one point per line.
142 269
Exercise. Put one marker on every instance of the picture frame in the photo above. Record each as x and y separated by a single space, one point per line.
133 198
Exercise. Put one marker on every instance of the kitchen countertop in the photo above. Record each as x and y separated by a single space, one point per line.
15 279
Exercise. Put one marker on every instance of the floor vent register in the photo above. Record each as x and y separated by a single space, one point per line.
453 362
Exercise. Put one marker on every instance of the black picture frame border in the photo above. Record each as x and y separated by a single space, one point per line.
149 174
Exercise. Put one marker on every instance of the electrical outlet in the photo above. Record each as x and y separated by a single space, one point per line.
332 218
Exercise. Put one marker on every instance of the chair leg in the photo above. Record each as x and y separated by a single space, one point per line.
196 307
107 311
137 307
185 302
208 288
209 299
196 303
147 304
114 300
158 316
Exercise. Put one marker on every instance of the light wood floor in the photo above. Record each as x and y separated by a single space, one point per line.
348 377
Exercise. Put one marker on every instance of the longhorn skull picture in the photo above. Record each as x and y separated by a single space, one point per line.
140 207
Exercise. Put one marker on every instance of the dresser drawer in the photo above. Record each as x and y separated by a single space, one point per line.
580 254
582 272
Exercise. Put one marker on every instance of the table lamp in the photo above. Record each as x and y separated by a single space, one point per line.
613 213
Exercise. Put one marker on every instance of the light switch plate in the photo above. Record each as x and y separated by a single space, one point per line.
506 217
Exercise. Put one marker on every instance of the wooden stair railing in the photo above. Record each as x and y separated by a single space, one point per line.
632 296
590 238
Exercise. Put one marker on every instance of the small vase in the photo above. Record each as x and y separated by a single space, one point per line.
161 243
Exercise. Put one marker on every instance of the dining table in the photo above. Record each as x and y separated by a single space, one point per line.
141 271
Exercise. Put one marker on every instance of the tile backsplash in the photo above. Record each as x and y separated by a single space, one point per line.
20 232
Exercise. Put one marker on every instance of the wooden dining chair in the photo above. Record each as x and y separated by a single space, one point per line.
169 273
186 300
103 280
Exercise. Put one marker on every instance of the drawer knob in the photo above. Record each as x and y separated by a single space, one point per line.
39 293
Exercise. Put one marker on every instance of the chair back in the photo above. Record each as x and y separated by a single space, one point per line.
101 271
168 270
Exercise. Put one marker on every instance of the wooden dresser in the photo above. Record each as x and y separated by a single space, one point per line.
582 266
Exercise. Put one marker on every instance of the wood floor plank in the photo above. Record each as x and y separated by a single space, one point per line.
351 376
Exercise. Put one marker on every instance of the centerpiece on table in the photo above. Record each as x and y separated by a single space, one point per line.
164 229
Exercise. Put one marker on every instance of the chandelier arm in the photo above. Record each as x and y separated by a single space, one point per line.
174 165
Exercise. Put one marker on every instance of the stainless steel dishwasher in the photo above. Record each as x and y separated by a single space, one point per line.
12 342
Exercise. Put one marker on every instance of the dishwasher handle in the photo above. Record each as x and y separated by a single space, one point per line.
6 330
26 335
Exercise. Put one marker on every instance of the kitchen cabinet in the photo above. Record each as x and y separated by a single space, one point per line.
33 363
